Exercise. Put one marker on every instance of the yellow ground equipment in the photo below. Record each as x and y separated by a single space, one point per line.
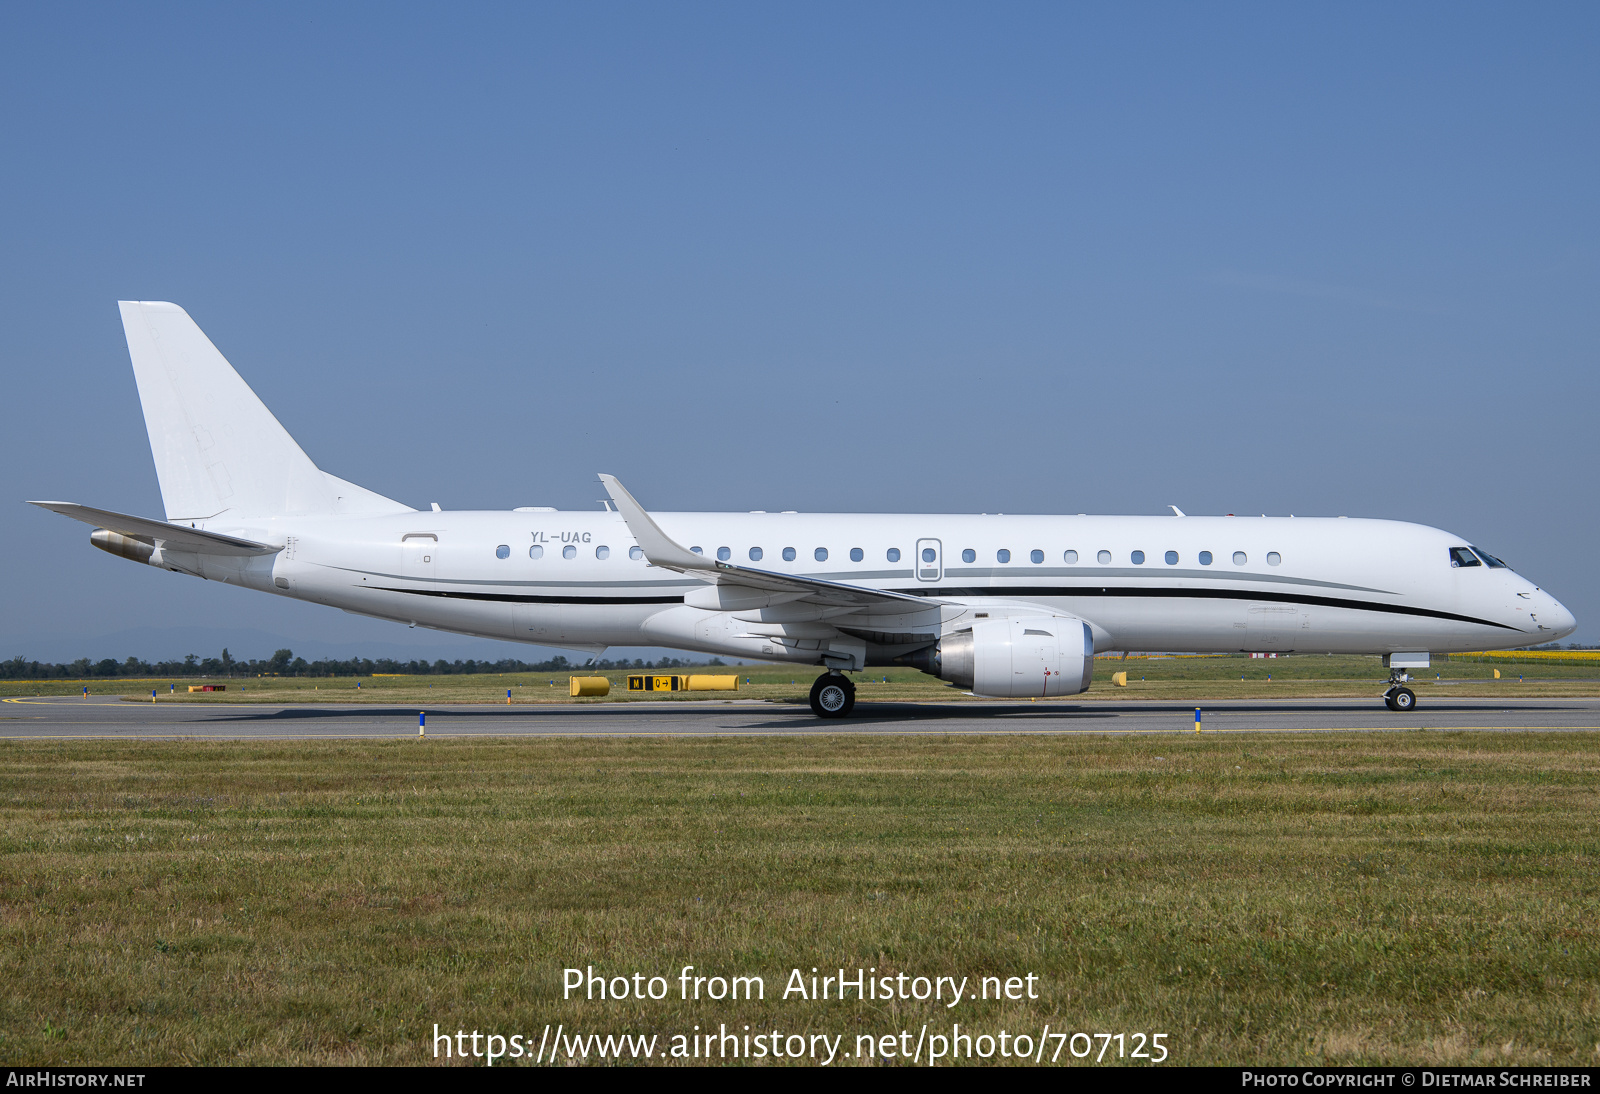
590 685
647 682
208 687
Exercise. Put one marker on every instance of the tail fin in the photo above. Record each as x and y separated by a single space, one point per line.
217 447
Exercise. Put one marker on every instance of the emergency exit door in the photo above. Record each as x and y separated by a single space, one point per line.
929 560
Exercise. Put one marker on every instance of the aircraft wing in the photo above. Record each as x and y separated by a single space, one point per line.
172 536
661 550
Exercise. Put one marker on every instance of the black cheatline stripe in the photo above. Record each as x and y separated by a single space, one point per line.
507 598
1212 594
1040 590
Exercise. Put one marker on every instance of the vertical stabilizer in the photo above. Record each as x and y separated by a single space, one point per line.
217 448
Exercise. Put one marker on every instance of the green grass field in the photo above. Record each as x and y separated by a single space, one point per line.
1293 677
1415 898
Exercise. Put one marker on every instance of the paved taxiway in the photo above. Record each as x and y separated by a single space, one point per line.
95 718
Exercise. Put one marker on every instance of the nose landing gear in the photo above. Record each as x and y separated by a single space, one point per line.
832 696
1398 697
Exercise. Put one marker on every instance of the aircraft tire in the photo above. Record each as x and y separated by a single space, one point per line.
832 696
1403 699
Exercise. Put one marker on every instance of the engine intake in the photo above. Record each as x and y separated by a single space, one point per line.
1015 658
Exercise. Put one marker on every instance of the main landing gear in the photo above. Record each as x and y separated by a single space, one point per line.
1400 698
832 696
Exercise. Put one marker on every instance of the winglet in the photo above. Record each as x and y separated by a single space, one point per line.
662 551
1176 511
659 548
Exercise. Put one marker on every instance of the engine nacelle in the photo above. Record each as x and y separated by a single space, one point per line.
1032 657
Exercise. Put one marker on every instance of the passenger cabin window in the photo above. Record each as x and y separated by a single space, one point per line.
929 554
536 551
636 553
788 554
602 552
820 554
1172 558
502 551
1494 563
1205 558
1240 558
1103 557
1460 556
1070 558
755 554
969 555
856 554
894 554
569 551
723 554
1002 555
697 550
1138 558
1036 556
1273 558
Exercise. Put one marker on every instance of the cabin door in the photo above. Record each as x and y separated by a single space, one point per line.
419 554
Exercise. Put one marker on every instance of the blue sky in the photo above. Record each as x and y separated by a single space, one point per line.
1240 258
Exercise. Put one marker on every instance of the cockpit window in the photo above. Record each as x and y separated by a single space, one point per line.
1493 562
1460 556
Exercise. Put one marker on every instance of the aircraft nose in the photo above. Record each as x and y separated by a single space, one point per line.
1563 621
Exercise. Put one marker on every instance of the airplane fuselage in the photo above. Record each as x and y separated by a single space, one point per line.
1206 584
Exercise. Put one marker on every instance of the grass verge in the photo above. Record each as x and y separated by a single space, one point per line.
1345 899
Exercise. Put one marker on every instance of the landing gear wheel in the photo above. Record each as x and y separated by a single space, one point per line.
1403 700
832 696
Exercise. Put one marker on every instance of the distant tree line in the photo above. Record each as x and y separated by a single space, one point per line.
285 663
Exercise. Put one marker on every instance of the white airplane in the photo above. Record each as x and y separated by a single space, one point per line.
1005 606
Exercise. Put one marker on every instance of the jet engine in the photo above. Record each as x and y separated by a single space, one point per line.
1032 657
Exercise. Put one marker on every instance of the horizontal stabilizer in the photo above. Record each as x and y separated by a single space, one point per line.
159 532
661 550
